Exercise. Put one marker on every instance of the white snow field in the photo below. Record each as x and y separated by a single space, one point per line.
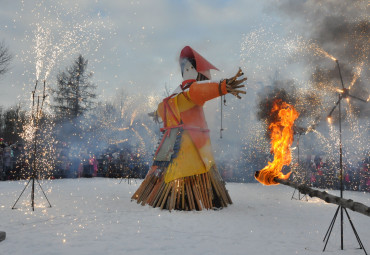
96 216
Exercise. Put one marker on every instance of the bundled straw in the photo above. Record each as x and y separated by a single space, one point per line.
197 192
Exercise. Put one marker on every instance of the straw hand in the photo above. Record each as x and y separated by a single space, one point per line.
154 115
234 84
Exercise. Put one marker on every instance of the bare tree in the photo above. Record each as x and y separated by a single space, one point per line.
12 123
5 58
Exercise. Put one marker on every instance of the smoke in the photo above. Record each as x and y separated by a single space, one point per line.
333 30
316 34
289 92
266 101
120 126
339 29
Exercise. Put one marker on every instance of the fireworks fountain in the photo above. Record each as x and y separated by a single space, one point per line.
310 98
35 120
329 31
131 124
343 93
47 54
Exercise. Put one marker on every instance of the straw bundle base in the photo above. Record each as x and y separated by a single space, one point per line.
197 192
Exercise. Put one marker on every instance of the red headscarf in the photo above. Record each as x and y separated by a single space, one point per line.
202 65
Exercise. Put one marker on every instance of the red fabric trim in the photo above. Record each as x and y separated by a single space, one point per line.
185 84
167 107
168 131
160 145
186 127
186 96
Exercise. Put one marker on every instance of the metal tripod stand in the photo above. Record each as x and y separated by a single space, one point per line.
344 94
35 118
300 196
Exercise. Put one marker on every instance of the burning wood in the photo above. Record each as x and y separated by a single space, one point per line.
281 140
347 203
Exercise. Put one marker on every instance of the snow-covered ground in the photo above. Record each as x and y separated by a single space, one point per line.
96 216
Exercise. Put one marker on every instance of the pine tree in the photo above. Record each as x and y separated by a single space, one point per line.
73 99
74 94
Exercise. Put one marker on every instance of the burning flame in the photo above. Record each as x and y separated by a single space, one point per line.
281 140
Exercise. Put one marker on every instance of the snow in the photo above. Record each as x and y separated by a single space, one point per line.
96 216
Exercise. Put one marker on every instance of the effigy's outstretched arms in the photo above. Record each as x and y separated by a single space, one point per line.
203 91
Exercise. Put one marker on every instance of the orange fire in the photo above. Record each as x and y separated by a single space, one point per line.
281 140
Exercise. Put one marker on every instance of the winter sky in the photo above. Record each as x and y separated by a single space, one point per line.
132 45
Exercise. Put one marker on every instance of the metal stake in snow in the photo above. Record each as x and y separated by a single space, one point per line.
2 236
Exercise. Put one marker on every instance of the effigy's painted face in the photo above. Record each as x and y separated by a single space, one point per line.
189 71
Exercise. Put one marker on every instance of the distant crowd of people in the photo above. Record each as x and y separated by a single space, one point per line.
314 170
12 160
323 173
115 162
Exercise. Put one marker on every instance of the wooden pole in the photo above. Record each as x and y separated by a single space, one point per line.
183 195
347 203
158 195
169 186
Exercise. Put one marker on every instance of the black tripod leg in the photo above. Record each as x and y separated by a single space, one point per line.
299 195
304 196
355 232
33 194
293 194
21 194
43 192
328 233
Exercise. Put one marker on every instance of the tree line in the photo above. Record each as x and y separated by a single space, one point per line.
75 118
73 96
